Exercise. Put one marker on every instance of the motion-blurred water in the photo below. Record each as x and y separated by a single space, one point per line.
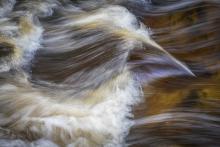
113 73
183 111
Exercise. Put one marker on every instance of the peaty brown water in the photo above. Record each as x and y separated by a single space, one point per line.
109 73
183 111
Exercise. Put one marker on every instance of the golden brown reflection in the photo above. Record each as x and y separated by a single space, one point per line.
192 35
71 72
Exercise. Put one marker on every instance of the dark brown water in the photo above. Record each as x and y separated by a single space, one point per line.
191 33
88 73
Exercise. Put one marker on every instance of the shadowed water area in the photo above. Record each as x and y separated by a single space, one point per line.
183 111
109 73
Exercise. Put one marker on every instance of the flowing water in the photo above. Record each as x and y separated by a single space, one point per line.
109 73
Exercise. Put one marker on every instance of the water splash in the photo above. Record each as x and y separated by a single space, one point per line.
72 71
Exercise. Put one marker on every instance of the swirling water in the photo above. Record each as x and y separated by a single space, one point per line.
84 73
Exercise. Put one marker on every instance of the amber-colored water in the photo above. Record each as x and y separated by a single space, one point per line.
190 33
73 73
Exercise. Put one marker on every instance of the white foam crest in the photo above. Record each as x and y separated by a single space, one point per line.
29 42
6 6
113 17
107 121
24 36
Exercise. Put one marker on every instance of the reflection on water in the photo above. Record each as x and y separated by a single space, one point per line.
183 111
93 73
